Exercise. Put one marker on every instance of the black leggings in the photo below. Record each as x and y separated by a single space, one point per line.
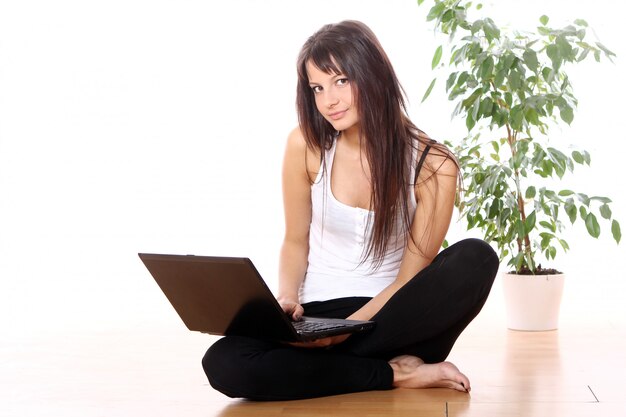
424 318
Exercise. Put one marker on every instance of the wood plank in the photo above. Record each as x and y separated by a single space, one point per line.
534 409
329 406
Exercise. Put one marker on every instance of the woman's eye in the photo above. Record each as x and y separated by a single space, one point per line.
316 88
343 81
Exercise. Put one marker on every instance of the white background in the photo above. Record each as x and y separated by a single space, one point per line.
158 126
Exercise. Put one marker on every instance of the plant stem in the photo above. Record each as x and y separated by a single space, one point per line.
523 245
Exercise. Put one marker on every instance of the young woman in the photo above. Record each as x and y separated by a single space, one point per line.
368 200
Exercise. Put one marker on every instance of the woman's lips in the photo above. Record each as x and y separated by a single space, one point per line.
337 115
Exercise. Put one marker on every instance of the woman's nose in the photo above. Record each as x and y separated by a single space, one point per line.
331 99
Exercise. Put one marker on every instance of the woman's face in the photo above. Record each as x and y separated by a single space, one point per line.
334 98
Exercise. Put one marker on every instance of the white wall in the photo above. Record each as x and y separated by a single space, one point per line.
158 126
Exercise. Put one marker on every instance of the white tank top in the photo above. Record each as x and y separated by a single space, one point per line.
338 237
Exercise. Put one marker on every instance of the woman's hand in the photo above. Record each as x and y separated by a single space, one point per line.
295 311
321 343
292 308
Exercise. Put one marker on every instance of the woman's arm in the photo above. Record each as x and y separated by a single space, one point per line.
435 196
297 208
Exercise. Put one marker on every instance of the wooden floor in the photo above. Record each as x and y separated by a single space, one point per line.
578 370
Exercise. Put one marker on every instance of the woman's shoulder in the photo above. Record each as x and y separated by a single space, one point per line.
437 157
296 140
297 147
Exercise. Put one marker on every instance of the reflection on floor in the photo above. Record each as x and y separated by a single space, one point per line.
154 369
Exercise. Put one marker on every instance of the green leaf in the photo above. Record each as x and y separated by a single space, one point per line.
508 98
548 74
565 48
470 122
500 117
592 225
499 78
435 11
544 31
553 53
565 193
604 200
530 57
530 222
531 192
462 78
532 116
437 57
551 253
447 16
451 81
491 30
475 108
583 55
470 222
615 229
548 167
494 210
521 230
508 60
515 80
486 106
570 209
546 238
517 261
567 114
605 49
429 89
544 20
560 161
468 102
605 211
550 226
486 68
529 261
517 117
578 157
583 198
581 22
583 212
517 160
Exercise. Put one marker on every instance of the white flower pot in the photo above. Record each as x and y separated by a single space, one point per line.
532 301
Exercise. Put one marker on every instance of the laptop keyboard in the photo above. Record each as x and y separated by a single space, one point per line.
314 326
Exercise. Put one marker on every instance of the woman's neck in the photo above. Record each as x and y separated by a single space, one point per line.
352 138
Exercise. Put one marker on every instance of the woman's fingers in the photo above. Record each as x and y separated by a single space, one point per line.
292 309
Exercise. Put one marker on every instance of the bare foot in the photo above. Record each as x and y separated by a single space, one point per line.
412 372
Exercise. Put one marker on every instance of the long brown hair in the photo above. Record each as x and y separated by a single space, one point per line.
351 48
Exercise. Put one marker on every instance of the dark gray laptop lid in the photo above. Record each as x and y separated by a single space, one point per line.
219 295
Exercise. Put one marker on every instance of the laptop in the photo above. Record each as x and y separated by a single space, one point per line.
227 296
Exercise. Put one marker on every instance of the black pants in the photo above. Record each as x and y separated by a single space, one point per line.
424 318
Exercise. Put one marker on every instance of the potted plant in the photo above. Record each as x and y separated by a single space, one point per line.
511 87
